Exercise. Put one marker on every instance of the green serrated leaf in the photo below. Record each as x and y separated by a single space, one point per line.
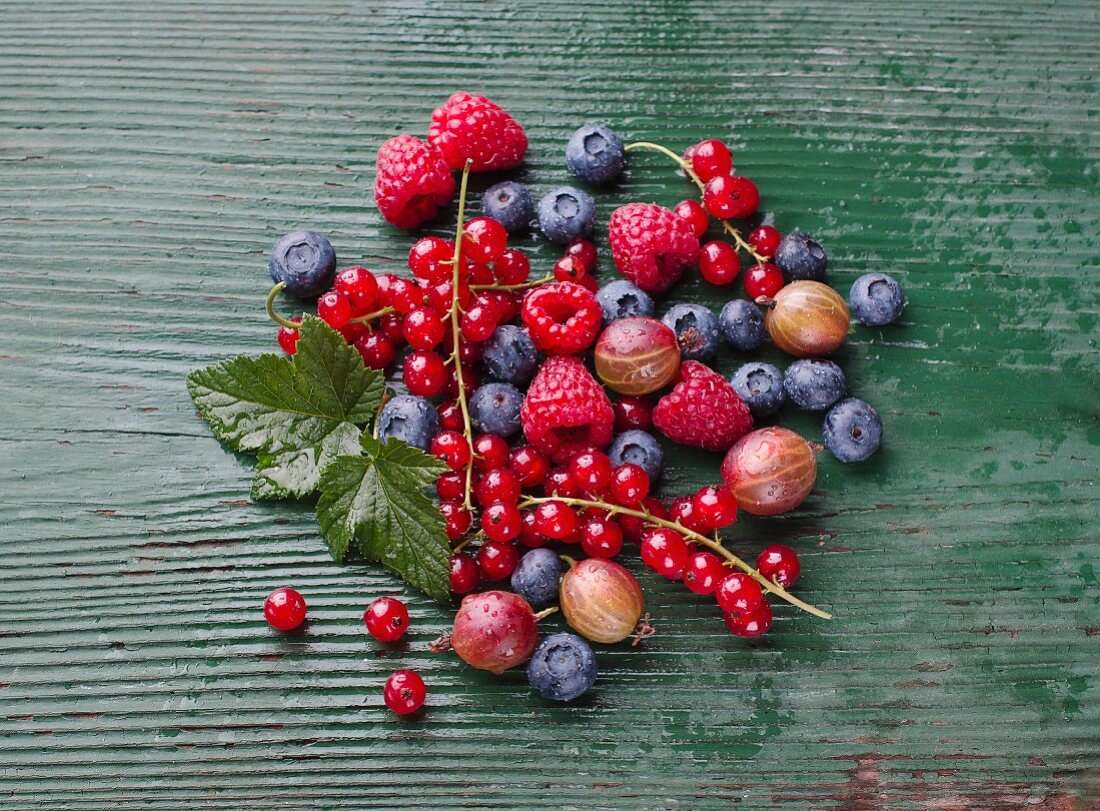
297 415
377 500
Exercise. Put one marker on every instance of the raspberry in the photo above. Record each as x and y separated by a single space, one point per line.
566 410
471 126
411 182
651 245
703 410
562 318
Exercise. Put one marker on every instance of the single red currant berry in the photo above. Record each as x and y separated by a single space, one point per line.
714 507
497 560
469 352
353 331
430 258
392 326
633 527
376 350
497 485
728 197
703 572
555 519
633 413
751 625
452 448
288 338
765 240
284 609
334 309
719 263
479 321
558 482
451 486
739 593
629 485
513 267
477 273
601 538
709 159
529 464
763 280
404 296
501 521
591 470
506 304
484 240
457 517
384 281
583 250
450 416
569 269
464 573
490 452
779 564
359 286
665 552
425 374
423 328
404 692
529 535
682 510
438 296
695 214
386 619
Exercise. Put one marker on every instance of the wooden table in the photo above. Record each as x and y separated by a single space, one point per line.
150 154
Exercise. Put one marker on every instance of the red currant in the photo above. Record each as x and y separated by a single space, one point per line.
634 528
513 267
464 573
423 328
376 350
490 452
709 159
479 320
727 196
529 535
484 240
469 381
425 374
591 470
452 448
438 296
501 521
457 518
665 552
450 416
497 560
719 263
779 564
751 625
558 482
763 280
451 486
404 296
601 538
392 326
404 692
386 619
353 331
555 519
498 485
633 413
288 338
682 510
629 485
478 273
284 609
714 507
334 309
695 214
583 250
430 259
569 269
360 287
765 240
703 572
739 593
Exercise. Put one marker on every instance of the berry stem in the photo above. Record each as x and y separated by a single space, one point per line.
274 316
366 319
549 277
690 172
696 537
546 612
456 332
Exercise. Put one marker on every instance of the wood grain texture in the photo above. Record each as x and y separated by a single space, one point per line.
150 154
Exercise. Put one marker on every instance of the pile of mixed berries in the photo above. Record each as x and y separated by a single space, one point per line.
510 380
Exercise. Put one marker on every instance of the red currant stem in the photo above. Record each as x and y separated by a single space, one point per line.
549 277
274 316
366 319
546 612
691 535
690 172
467 540
570 562
456 332
766 301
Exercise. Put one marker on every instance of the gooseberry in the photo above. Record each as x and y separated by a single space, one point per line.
494 630
601 600
770 470
637 356
807 319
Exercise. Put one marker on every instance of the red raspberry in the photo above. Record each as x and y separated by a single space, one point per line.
566 410
411 182
562 318
651 245
702 410
471 126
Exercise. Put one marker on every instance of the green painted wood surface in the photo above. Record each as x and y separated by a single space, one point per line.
151 153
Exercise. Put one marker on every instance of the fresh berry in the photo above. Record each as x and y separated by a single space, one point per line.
304 262
562 667
411 419
424 328
876 299
376 350
779 564
714 507
852 430
391 325
528 535
430 259
497 559
566 410
702 410
494 408
633 528
751 625
452 448
562 318
629 484
411 182
451 486
595 154
703 572
457 519
601 538
770 471
814 384
387 619
490 452
709 159
569 269
288 338
284 609
682 510
536 577
765 240
499 484
469 126
633 413
464 573
529 464
601 600
360 287
651 246
760 385
729 197
513 267
555 519
583 251
483 240
404 692
696 330
404 296
510 204
738 593
719 263
501 521
763 280
664 551
801 257
494 631
639 448
425 374
695 214
623 299
566 214
742 324
591 470
558 482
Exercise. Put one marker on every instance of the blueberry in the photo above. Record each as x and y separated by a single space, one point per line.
814 384
595 154
412 419
536 577
562 667
494 409
509 203
305 262
760 385
566 214
801 257
743 325
510 355
640 449
696 330
853 430
623 299
876 299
